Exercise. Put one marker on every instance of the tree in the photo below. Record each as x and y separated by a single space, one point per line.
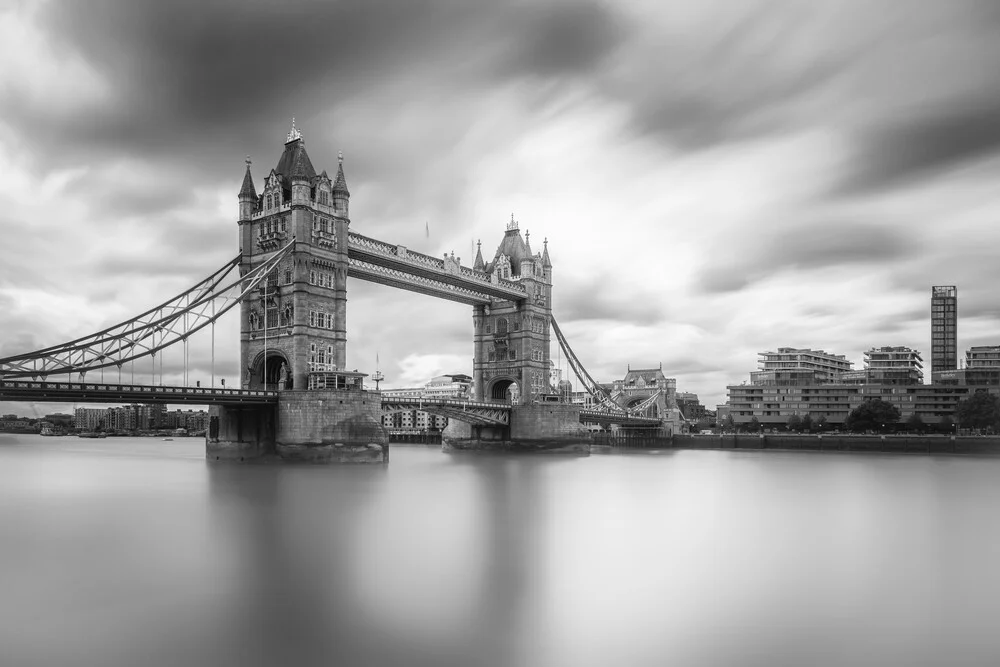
729 424
820 424
807 423
980 411
946 424
754 425
915 423
872 415
794 423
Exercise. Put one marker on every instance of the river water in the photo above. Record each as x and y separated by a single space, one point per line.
138 552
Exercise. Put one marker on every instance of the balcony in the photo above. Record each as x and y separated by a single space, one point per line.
271 240
324 239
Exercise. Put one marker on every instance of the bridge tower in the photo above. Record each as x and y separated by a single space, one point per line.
297 322
293 331
511 357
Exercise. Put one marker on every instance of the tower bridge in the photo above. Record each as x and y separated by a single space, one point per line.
290 279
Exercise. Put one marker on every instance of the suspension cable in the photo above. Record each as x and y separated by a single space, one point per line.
136 338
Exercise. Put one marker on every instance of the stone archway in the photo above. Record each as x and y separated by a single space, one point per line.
269 374
505 389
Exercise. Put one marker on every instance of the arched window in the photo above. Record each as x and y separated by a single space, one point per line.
501 325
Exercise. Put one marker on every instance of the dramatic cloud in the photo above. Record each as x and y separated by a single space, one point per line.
715 178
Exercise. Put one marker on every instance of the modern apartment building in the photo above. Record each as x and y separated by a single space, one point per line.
789 364
893 374
944 328
891 366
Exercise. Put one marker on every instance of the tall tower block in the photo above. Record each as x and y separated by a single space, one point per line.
944 328
297 321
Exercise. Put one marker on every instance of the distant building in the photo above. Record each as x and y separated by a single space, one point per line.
794 365
690 406
442 386
892 374
982 366
888 366
89 419
944 328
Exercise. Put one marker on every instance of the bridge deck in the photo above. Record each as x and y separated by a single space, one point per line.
90 392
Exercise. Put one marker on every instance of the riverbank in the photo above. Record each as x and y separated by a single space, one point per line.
904 444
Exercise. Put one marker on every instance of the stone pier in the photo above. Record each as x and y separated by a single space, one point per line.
317 425
540 427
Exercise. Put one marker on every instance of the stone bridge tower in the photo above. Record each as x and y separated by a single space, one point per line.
297 320
511 357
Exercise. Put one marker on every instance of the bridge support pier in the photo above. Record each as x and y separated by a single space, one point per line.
540 427
240 433
331 426
335 426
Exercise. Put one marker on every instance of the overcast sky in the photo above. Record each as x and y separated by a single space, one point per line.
715 178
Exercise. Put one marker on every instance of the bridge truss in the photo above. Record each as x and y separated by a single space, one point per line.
144 335
473 412
607 402
396 266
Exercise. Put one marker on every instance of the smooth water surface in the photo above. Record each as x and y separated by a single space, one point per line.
138 552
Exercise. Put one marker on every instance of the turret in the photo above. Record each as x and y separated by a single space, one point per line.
528 261
341 196
248 195
479 264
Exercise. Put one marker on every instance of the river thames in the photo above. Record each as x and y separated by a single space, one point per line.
136 551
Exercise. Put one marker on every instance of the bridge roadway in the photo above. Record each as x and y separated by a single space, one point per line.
90 392
475 412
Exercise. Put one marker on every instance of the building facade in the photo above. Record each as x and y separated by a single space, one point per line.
296 323
892 374
511 349
944 328
789 364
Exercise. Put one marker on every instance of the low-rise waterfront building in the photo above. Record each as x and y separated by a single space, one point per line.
892 374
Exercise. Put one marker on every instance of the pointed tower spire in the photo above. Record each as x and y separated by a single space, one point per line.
546 262
248 195
248 190
479 265
340 182
527 244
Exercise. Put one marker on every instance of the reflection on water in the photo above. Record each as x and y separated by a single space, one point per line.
138 552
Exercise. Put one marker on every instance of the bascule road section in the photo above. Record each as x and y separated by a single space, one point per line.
297 400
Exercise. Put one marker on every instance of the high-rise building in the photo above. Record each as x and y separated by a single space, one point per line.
944 328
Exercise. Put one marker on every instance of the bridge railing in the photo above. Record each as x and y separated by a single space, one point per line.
135 388
413 257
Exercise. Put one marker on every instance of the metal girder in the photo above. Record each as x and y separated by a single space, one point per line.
171 322
399 261
473 412
603 417
88 392
414 283
641 407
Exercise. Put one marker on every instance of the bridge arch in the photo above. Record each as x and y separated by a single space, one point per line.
651 411
504 389
267 371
